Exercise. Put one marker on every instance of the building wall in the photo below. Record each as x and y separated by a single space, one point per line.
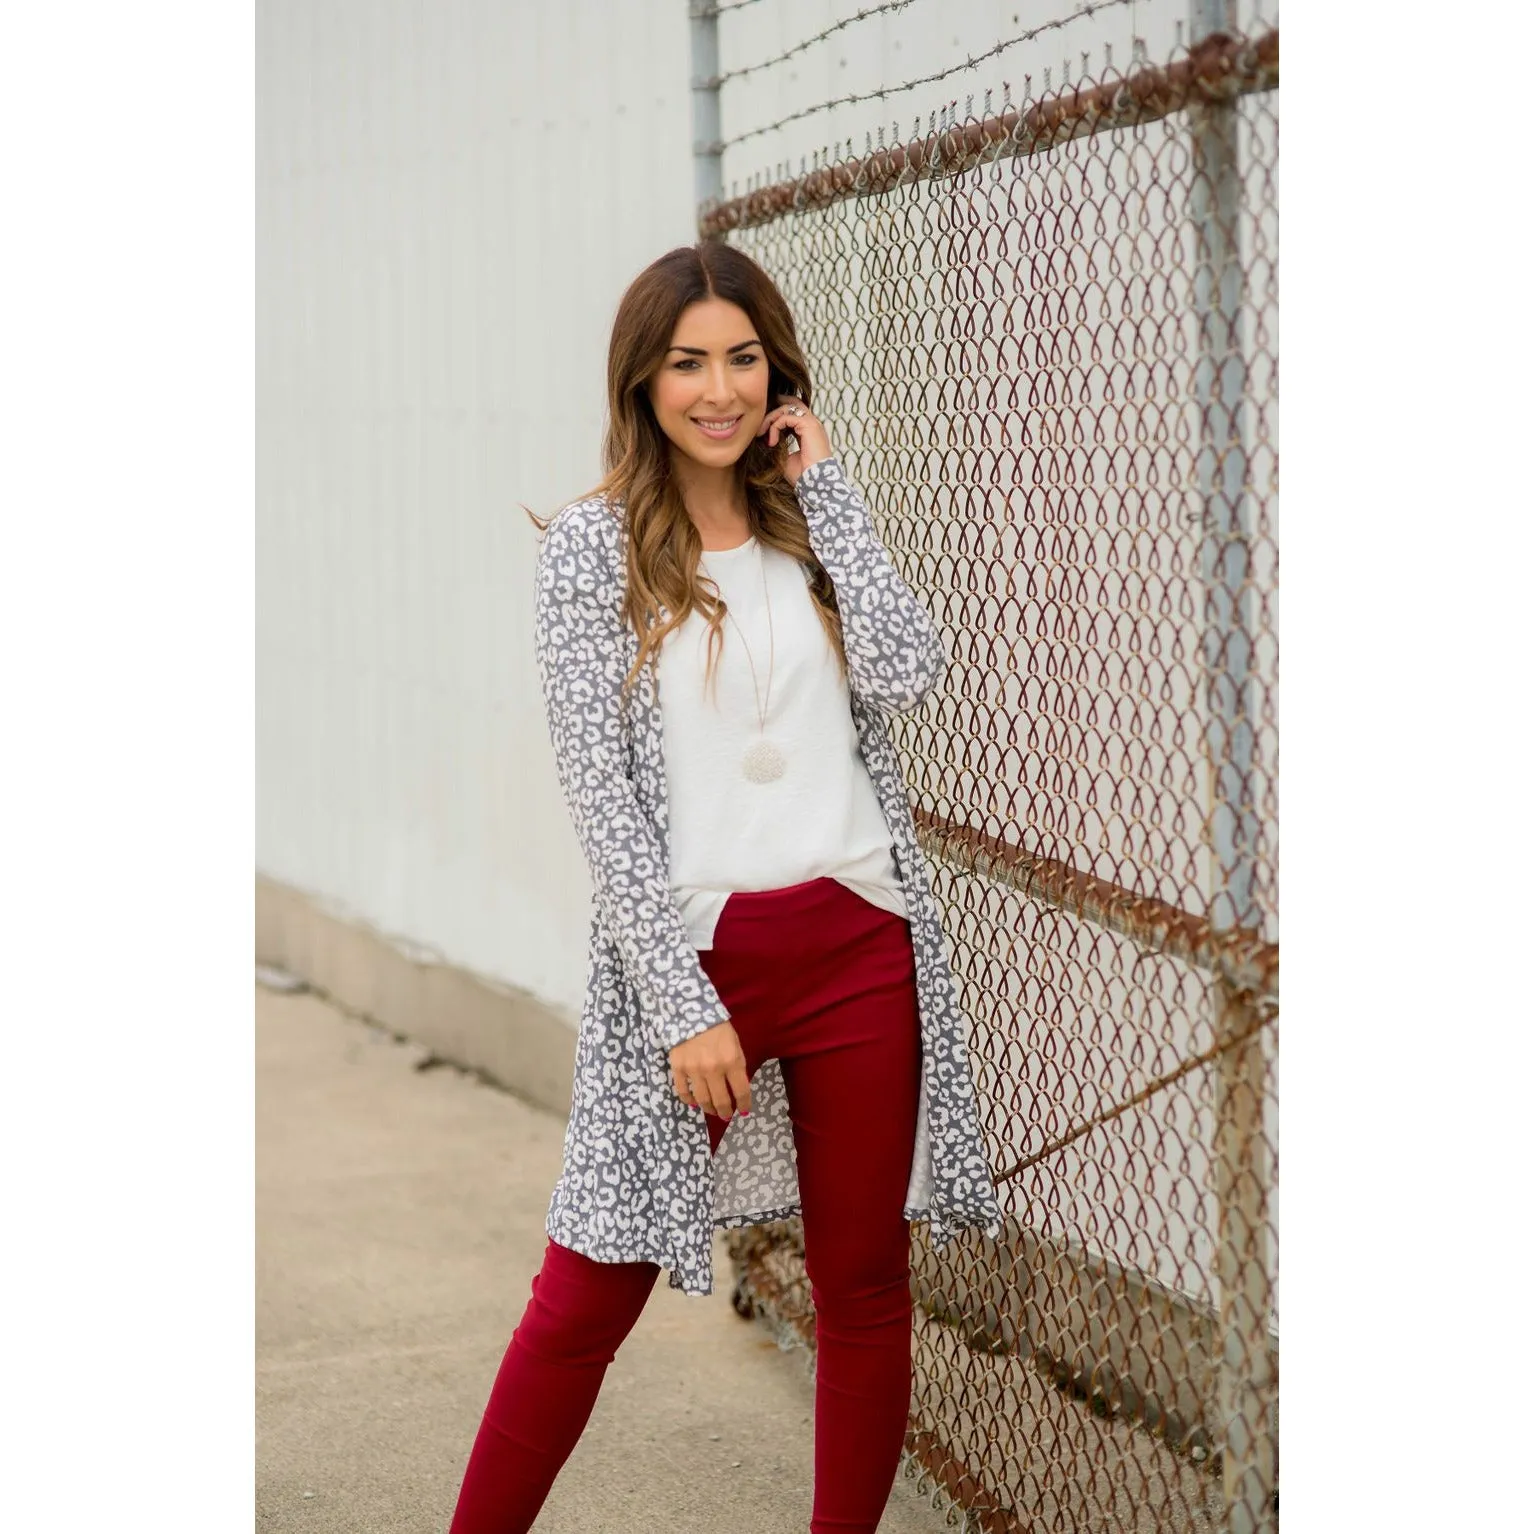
450 200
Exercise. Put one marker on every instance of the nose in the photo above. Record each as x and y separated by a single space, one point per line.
718 388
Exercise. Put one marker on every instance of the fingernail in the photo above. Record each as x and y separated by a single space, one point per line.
745 1113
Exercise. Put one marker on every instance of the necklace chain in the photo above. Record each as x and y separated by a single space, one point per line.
763 761
762 705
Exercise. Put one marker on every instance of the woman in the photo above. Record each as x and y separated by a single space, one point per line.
770 1025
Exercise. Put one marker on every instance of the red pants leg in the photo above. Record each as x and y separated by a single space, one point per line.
547 1385
816 976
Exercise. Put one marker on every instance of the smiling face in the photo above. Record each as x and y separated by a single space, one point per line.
710 392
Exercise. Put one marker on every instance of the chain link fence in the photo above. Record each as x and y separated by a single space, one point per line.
1044 335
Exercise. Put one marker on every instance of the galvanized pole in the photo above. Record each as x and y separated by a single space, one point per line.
707 153
1245 1372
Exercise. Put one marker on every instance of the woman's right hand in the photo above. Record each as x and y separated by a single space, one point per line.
716 1065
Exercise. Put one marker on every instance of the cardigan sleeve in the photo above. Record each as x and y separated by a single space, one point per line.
895 654
581 664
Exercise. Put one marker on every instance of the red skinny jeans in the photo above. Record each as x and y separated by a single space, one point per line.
819 978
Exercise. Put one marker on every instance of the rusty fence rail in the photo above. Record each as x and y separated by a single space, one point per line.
1046 339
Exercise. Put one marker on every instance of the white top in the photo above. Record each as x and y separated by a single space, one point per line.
822 816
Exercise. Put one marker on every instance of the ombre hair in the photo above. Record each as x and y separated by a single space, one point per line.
663 541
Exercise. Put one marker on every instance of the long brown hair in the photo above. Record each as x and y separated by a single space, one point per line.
663 541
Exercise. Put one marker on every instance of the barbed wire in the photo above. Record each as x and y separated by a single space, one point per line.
942 74
864 15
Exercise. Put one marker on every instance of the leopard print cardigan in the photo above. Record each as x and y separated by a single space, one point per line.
638 1180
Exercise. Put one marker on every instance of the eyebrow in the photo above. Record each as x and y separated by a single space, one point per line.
698 351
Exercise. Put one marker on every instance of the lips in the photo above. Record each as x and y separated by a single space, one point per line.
715 433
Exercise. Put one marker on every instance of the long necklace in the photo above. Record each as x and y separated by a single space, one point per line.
763 761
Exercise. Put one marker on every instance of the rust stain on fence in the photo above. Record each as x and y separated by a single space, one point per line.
1238 954
1219 69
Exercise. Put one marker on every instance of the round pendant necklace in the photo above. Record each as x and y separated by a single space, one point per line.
763 761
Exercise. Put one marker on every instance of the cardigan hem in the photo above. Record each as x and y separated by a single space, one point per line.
944 1226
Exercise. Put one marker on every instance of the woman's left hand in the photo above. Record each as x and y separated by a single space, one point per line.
791 414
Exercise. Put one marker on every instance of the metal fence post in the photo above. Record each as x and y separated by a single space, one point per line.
1245 1377
707 155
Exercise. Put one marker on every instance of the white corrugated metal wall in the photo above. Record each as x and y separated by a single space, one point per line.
451 197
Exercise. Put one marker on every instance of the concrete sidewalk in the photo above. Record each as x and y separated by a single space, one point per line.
399 1224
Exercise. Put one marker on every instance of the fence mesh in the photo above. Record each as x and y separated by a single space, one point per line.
1044 337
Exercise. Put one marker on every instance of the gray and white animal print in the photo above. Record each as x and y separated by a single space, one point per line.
638 1179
